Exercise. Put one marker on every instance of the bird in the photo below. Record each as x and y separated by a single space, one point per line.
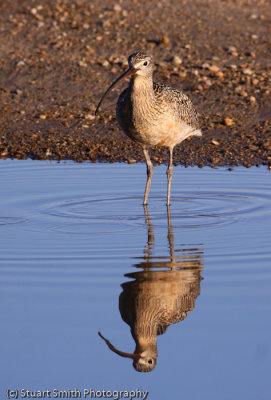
153 114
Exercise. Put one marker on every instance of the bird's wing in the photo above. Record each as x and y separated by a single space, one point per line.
178 100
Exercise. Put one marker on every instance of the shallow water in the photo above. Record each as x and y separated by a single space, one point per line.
80 254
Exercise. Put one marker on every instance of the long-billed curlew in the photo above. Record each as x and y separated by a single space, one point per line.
153 114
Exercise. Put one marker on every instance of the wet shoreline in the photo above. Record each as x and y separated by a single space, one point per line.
58 59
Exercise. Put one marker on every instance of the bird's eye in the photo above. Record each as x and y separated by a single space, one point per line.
150 361
146 63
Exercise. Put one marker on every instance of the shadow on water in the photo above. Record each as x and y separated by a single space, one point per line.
162 293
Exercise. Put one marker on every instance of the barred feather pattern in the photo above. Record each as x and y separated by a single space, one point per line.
154 114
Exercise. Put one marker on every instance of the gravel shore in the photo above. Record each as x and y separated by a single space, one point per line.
58 57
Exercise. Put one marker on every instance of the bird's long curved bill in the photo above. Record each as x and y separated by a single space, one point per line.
120 353
131 71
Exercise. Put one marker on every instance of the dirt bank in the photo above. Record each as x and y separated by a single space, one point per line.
58 57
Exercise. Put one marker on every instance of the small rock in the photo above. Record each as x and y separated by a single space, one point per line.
247 71
220 75
42 116
165 40
214 68
252 99
243 93
177 60
228 121
90 117
20 63
82 64
4 153
267 144
131 161
253 147
232 49
105 63
215 142
117 8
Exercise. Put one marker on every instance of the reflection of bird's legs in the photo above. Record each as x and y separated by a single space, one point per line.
148 247
170 237
149 174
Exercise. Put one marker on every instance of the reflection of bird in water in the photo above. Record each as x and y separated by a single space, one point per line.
156 299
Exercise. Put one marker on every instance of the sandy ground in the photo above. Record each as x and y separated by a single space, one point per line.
58 57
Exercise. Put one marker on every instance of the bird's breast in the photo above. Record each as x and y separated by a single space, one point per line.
149 123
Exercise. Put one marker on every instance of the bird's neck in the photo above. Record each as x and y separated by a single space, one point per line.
142 89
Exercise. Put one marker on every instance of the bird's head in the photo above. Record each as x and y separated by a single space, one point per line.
143 361
146 362
139 64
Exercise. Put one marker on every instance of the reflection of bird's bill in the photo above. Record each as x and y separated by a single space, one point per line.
130 72
119 352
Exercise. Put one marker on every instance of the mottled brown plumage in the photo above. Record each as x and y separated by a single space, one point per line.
153 114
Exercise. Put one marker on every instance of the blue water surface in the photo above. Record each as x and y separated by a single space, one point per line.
70 233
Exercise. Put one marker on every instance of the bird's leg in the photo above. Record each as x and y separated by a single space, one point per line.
169 175
149 174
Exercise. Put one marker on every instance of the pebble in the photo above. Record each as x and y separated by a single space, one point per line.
233 51
267 144
177 60
228 121
90 117
214 68
117 8
252 99
42 116
247 71
253 147
105 63
215 142
165 40
82 63
4 153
